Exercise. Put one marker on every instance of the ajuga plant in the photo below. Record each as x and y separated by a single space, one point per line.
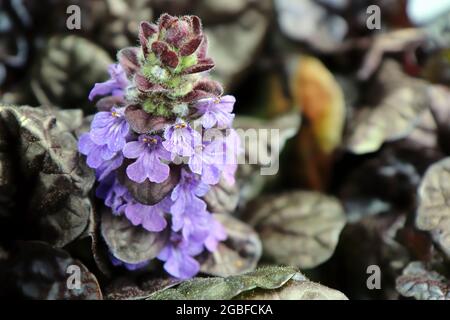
162 138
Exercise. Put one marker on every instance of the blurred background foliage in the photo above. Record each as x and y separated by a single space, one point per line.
364 122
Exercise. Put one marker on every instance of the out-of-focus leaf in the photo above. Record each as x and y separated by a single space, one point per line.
440 109
437 67
238 254
369 241
35 270
266 279
298 288
383 182
67 70
307 21
14 41
321 100
131 244
403 100
222 197
112 24
319 97
394 41
53 181
298 228
437 31
234 45
422 284
251 177
433 213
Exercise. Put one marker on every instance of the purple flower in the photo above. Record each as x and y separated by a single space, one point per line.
96 154
228 173
233 149
186 194
178 256
150 217
216 111
149 152
129 266
180 139
109 166
116 196
110 128
193 223
208 161
216 234
114 86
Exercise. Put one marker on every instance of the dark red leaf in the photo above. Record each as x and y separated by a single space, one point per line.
165 21
142 122
208 85
202 65
196 25
146 30
167 56
203 49
196 95
189 47
128 60
143 84
106 103
147 192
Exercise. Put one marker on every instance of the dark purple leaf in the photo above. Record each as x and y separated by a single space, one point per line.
35 270
106 103
131 244
202 65
147 192
127 57
211 86
142 122
189 47
146 30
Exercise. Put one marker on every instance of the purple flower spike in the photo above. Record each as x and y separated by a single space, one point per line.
149 152
109 166
193 223
186 194
96 155
208 160
150 217
110 128
115 195
216 234
178 257
181 139
216 111
114 86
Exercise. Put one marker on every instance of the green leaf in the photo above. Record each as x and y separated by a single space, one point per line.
271 282
227 288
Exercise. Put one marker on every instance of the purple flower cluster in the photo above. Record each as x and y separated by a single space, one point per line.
171 145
